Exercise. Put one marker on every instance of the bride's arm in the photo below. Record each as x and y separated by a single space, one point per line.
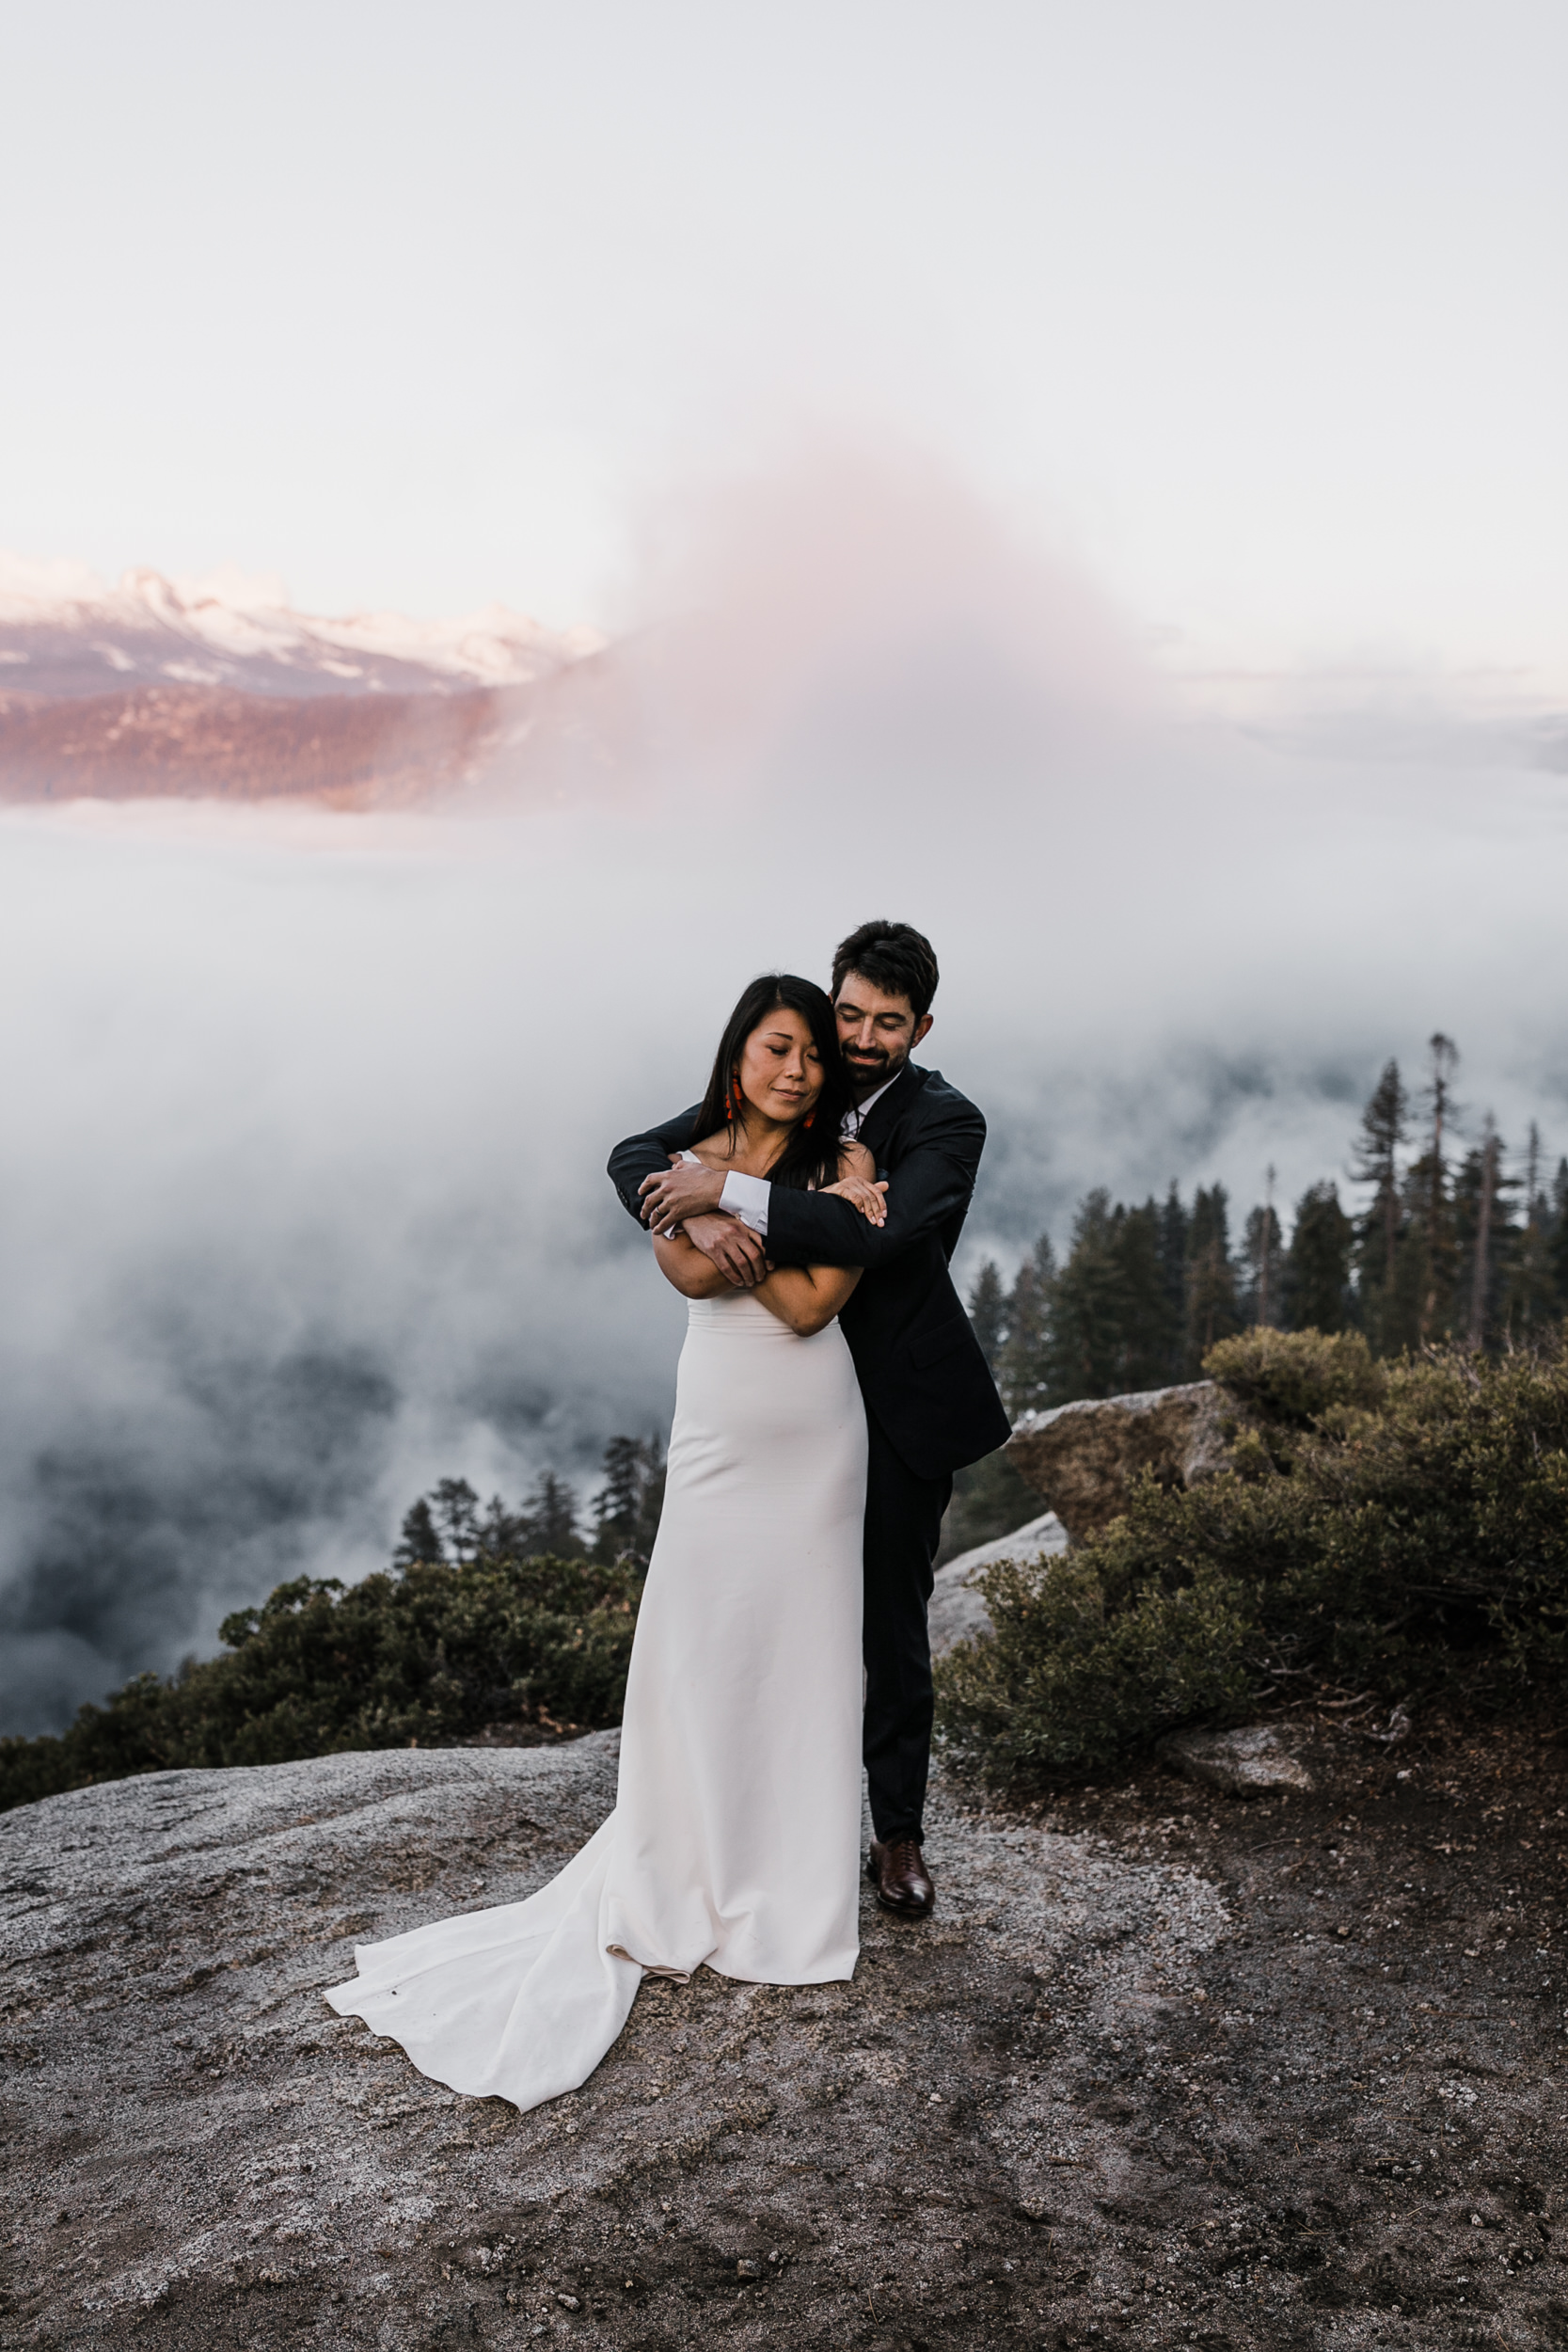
692 1275
807 1298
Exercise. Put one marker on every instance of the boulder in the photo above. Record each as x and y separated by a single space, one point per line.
1080 1458
956 1610
1243 1763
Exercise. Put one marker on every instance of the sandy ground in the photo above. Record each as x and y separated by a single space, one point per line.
1167 2068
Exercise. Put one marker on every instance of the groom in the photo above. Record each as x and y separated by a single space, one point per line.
930 1403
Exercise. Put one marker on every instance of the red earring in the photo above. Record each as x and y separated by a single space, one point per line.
810 1115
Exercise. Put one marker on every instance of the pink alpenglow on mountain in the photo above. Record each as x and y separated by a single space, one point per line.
218 689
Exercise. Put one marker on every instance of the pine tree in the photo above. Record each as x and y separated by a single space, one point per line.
1087 1339
1385 1131
549 1522
1150 1317
1211 1275
1396 1324
988 1310
1317 1286
1174 1223
500 1531
419 1543
1021 1369
627 1507
455 1507
1433 1205
1530 1296
615 1505
1557 1238
1264 1261
650 1509
1487 1244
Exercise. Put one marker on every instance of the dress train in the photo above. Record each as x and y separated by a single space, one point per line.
735 1841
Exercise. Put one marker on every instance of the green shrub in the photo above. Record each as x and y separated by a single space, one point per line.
423 1655
1414 1544
1068 1682
1294 1377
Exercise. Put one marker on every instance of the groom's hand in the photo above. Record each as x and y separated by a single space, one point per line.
683 1191
730 1245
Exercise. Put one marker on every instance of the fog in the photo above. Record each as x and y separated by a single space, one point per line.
302 1200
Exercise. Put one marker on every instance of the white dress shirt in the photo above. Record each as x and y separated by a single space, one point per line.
747 1197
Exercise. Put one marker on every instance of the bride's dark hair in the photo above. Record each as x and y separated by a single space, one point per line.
811 1155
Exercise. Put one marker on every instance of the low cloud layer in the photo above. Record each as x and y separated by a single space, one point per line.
302 1205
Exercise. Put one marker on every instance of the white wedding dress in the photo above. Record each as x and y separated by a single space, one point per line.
735 1836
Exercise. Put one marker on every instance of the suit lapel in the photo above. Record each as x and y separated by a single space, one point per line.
884 1114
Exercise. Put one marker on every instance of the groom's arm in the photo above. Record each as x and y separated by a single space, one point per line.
719 1233
640 1156
932 1183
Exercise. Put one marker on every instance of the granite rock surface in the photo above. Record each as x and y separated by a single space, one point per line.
1149 2078
1081 1458
956 1610
1244 1762
202 2154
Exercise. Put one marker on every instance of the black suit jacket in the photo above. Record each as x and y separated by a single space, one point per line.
921 1369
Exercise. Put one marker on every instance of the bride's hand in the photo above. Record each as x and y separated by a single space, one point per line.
861 1193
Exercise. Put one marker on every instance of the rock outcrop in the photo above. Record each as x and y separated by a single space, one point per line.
1080 2105
1243 1763
199 2154
956 1610
1080 1458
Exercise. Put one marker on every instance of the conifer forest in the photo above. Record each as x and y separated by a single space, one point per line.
1448 1236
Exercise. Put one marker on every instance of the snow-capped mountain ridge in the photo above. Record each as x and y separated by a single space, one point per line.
64 631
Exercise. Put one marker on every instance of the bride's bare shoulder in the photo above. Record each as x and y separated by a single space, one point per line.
715 1151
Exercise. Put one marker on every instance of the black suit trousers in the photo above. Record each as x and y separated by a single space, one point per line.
903 1527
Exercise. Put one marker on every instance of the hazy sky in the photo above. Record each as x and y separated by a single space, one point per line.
302 1200
1258 307
1253 312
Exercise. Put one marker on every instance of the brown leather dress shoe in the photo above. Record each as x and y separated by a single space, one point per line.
901 1880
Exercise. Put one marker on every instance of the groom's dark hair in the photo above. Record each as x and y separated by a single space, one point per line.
893 957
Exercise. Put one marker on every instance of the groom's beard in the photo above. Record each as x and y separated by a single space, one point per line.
867 1072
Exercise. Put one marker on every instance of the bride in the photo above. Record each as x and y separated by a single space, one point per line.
735 1836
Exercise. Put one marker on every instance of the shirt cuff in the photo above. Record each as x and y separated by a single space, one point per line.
746 1197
